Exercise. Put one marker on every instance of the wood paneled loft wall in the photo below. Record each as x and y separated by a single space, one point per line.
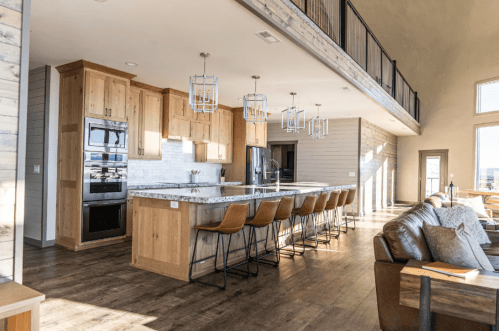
14 55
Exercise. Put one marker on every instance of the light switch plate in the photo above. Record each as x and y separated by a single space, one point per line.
351 174
36 169
173 204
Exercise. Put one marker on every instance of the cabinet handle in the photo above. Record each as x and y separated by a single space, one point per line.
110 111
106 112
139 151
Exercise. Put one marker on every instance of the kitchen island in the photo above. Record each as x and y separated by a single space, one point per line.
164 222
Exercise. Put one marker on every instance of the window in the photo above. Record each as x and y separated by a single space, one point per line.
487 97
487 157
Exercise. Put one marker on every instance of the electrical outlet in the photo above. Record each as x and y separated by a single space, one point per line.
173 204
351 174
36 169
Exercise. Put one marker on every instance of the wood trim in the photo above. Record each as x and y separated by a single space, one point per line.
21 143
144 86
94 66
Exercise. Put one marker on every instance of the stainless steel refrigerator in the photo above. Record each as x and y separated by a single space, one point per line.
255 165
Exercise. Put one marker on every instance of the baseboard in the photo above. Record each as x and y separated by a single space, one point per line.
39 243
33 242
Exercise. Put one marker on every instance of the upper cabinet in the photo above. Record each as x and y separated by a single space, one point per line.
256 134
106 96
145 122
220 147
180 122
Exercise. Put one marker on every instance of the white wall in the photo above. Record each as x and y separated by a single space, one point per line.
175 166
327 160
52 153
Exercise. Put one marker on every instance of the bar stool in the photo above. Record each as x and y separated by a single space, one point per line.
341 203
349 202
233 222
284 212
319 207
304 212
263 218
331 208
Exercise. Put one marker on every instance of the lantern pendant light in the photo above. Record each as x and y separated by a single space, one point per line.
293 119
203 91
255 106
318 127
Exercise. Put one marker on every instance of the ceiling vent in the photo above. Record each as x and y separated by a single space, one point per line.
268 37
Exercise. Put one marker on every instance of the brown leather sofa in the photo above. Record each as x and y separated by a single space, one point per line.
402 239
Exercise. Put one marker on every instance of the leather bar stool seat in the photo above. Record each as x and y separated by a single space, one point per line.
349 202
331 208
304 212
232 222
264 217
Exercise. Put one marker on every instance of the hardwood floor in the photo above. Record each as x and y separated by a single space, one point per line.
331 288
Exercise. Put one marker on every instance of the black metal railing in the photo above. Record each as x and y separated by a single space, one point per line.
343 24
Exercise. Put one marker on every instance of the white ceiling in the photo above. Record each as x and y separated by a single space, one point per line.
166 37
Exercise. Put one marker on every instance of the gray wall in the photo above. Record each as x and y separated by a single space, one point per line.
14 54
329 160
378 164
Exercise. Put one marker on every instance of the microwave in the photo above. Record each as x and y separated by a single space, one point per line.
105 136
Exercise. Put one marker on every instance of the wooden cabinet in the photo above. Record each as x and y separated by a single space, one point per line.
219 149
106 96
145 124
86 89
180 122
256 134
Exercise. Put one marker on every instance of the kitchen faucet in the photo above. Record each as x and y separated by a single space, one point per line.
270 172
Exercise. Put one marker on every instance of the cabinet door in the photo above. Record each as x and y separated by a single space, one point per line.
261 135
117 102
204 117
134 124
226 137
179 128
200 132
212 153
95 94
151 127
250 134
177 105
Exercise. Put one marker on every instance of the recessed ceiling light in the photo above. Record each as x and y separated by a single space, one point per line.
392 120
268 37
345 87
100 0
131 64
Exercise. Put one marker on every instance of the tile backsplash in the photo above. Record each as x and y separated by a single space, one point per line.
174 167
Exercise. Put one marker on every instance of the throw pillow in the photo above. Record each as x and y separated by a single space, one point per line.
475 203
442 196
456 247
455 216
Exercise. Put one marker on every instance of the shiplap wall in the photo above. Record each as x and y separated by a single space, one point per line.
12 134
329 160
378 162
35 153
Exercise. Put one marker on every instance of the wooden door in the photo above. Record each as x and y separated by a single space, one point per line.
134 124
151 127
117 101
95 94
433 172
225 141
261 134
250 134
212 154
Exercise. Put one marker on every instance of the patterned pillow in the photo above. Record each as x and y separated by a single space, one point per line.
455 216
442 196
456 247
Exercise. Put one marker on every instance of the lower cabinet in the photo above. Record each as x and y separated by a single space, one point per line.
219 149
145 124
129 217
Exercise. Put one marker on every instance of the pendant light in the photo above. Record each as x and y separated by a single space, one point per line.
255 106
293 119
203 91
318 126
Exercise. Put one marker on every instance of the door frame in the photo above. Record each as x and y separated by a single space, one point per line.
287 142
420 172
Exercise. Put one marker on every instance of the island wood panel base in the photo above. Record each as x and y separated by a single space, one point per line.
164 237
69 243
19 307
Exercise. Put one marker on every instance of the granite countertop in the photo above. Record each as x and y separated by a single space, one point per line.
228 193
159 185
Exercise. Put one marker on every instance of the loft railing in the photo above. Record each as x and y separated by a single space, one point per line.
343 24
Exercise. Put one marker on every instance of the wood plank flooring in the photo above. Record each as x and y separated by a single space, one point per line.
331 288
